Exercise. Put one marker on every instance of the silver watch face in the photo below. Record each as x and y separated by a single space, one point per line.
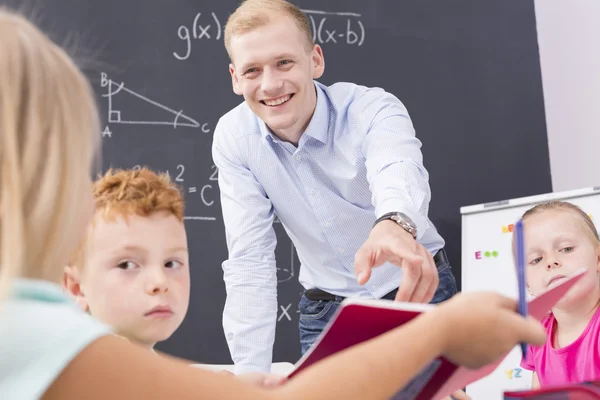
406 223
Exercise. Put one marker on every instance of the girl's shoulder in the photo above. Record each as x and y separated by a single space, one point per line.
41 331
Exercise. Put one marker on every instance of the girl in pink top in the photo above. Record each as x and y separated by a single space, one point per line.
559 240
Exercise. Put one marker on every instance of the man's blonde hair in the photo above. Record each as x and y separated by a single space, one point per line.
49 132
252 14
125 192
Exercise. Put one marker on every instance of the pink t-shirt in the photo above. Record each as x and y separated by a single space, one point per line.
575 363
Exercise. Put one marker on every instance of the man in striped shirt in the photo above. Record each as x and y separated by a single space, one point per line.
341 168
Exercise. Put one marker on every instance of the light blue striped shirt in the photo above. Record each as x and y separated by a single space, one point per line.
358 159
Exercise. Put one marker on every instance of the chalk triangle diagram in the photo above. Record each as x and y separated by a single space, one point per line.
128 107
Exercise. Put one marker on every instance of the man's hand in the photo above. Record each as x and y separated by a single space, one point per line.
390 242
259 378
458 395
490 318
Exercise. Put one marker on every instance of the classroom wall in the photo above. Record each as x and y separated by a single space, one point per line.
568 33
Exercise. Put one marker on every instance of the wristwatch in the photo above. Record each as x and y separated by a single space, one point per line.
401 219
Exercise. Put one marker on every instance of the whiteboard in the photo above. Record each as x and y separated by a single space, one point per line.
487 264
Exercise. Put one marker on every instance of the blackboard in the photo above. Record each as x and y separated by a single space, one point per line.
467 70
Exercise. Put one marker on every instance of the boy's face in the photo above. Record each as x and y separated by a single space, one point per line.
274 71
136 275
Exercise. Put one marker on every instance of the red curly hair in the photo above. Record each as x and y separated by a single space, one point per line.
124 192
141 192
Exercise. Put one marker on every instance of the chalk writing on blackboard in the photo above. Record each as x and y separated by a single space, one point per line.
287 273
198 31
117 116
206 189
284 312
199 218
178 178
327 28
190 190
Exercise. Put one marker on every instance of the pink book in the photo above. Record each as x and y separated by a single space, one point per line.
358 320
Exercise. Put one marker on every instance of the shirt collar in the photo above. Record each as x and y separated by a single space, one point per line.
318 126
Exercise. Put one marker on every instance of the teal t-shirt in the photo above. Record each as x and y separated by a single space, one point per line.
41 331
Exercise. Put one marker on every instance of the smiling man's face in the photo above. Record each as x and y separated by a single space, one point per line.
273 67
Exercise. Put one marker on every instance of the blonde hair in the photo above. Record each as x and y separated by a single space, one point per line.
48 123
564 206
252 14
132 192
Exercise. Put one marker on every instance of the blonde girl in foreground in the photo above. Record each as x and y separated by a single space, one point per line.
49 349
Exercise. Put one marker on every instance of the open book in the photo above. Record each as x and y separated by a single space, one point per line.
579 391
358 320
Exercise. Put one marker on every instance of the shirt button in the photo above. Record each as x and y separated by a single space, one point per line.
327 224
298 157
340 250
312 191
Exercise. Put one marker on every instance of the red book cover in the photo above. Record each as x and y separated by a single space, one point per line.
580 391
359 320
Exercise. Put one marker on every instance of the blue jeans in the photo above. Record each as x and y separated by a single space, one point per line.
315 314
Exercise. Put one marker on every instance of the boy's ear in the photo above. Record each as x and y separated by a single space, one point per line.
72 284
